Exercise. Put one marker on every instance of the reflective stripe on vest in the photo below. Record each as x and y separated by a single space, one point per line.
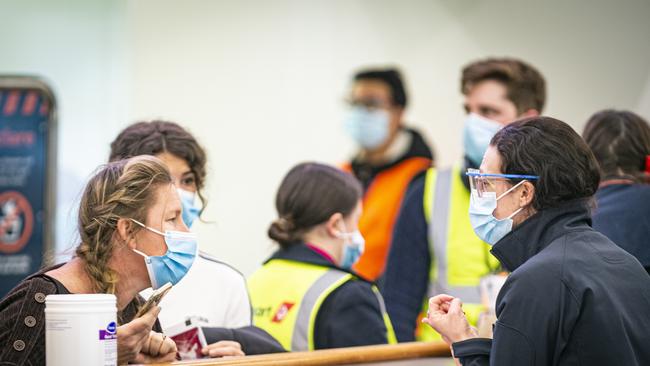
287 295
459 258
381 204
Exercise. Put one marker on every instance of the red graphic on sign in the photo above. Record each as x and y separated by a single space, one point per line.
282 312
12 103
9 138
29 104
16 221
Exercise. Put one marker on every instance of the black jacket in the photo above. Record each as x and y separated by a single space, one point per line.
350 315
573 298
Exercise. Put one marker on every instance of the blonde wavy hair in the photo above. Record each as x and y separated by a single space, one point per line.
121 189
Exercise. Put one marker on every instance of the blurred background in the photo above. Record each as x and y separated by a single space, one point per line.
262 83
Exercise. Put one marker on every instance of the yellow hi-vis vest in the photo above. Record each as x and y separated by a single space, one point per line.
286 296
458 257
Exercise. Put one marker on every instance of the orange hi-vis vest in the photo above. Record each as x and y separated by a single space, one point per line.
381 204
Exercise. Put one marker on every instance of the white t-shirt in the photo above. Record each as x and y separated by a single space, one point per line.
211 290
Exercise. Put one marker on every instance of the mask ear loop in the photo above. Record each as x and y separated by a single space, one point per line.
148 228
146 257
511 189
508 191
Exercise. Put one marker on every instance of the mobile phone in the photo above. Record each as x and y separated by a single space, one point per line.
154 299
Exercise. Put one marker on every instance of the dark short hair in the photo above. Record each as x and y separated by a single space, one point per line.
155 137
391 77
308 196
526 86
552 150
620 140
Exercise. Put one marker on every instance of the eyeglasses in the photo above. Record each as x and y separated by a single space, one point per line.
369 104
483 182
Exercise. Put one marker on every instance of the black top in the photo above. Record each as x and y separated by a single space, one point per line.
350 315
623 215
367 172
573 297
22 318
253 340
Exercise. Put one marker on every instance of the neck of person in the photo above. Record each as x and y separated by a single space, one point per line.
327 244
130 282
75 278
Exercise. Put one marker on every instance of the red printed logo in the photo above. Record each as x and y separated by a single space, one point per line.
282 312
16 221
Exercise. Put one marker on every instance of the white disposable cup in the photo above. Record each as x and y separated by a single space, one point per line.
81 330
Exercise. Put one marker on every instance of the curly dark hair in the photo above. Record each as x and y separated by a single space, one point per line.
155 137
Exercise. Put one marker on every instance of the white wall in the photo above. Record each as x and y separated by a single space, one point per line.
261 83
78 47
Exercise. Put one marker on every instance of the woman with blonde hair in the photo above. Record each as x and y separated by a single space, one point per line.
129 210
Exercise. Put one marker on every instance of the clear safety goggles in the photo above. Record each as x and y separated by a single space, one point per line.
481 183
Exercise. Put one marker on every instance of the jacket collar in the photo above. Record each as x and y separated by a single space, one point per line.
538 231
417 147
299 252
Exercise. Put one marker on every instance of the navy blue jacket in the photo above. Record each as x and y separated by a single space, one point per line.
350 315
573 298
406 278
623 215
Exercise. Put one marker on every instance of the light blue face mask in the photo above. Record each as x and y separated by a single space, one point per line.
481 215
353 247
176 262
191 209
477 135
368 128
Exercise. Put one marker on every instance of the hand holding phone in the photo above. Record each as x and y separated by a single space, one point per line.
154 299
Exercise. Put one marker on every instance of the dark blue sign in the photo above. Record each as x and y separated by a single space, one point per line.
25 127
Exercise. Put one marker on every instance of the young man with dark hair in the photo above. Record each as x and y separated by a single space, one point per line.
434 248
389 156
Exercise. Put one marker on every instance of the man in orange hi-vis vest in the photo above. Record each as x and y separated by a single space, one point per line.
389 156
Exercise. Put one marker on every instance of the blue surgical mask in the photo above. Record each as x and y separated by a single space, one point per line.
368 128
191 209
353 246
176 262
481 215
477 135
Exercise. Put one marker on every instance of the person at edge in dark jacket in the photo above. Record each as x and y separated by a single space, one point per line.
573 296
389 155
620 140
306 295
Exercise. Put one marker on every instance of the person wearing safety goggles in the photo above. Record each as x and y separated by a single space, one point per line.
434 249
572 296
